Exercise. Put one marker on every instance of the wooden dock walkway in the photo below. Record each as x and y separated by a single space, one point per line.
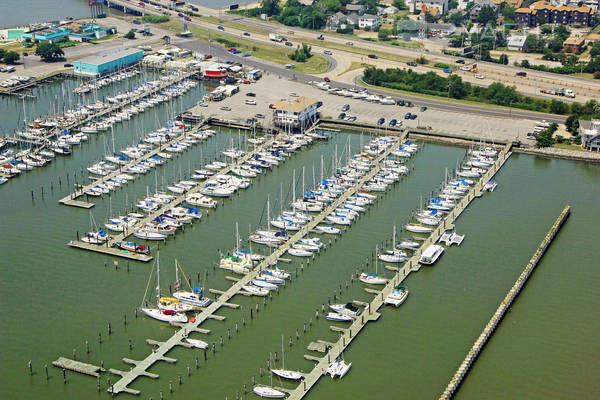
78 366
70 200
491 326
370 313
159 353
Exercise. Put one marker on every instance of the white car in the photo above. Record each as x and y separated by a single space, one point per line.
479 76
465 68
250 102
327 52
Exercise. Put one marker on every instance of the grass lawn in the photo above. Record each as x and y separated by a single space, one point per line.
315 65
567 146
354 65
16 46
451 101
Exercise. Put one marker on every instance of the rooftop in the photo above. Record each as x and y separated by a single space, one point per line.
295 105
109 56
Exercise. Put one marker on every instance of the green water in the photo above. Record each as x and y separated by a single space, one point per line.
57 297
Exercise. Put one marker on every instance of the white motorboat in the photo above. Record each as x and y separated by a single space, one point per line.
397 297
347 309
333 316
268 392
431 254
199 344
194 298
199 200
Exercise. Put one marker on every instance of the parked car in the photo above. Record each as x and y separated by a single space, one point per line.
346 107
393 122
521 73
447 70
424 108
207 56
246 55
272 106
261 116
407 115
226 108
246 34
187 18
381 121
327 52
372 56
479 76
203 104
349 44
342 115
400 102
250 94
250 102
413 116
68 65
289 66
180 14
293 94
220 28
289 44
136 21
411 64
460 61
326 79
246 82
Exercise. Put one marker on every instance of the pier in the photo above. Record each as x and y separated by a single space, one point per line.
504 306
70 200
159 353
371 313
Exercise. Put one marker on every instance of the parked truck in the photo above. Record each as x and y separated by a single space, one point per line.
275 37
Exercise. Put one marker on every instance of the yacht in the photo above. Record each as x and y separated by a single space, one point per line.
431 254
397 297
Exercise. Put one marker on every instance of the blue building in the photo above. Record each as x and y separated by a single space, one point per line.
104 63
81 33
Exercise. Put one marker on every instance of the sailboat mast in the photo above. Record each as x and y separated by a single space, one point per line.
157 276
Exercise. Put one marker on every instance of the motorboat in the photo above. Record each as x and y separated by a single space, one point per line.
195 298
347 309
431 254
333 316
146 234
397 297
133 247
98 237
393 256
171 303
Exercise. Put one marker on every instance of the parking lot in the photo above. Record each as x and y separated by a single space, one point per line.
270 89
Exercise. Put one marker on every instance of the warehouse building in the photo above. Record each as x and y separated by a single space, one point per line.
107 62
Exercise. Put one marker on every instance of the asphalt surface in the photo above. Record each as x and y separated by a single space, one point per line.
222 55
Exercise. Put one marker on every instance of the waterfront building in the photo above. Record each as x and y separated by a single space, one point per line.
590 134
104 63
73 31
297 113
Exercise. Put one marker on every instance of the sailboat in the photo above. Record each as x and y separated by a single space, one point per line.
397 297
286 373
373 279
157 313
394 255
194 298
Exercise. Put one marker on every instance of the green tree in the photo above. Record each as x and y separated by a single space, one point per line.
525 64
401 4
486 14
384 34
2 52
595 50
130 35
11 57
270 7
544 138
49 51
457 18
558 107
503 59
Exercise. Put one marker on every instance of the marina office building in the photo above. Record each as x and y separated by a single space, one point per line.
104 63
298 113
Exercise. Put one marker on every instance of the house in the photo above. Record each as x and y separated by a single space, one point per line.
357 8
368 21
390 10
516 43
592 38
574 44
441 29
440 5
297 113
515 3
543 12
590 134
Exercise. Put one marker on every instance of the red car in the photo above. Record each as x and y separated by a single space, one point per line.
246 82
231 49
187 18
272 106
326 79
207 56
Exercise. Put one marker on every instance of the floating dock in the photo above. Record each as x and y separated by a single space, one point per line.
159 353
78 366
370 313
512 294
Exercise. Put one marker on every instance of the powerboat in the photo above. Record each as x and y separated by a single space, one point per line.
195 298
431 254
199 344
347 309
397 297
333 316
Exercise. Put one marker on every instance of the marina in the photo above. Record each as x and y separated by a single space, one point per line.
319 244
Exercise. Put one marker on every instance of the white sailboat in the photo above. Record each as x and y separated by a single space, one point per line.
394 255
286 373
195 297
373 279
157 313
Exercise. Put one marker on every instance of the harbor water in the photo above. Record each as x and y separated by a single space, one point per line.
58 298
